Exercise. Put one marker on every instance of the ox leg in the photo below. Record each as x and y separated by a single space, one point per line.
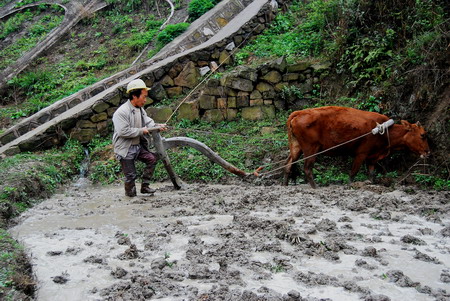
357 162
294 154
287 171
371 169
308 167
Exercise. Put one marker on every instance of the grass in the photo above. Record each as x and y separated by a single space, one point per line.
35 33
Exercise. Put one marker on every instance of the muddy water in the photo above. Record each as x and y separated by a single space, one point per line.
240 242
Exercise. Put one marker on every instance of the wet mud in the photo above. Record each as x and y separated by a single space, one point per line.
240 242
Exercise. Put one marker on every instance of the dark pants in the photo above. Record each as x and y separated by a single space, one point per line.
129 167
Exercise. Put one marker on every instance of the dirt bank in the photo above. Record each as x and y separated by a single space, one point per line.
240 242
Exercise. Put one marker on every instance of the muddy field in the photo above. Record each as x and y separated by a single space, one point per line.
240 242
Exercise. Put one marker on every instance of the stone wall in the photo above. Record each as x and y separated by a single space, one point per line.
251 93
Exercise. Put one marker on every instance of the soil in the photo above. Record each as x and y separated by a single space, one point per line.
240 242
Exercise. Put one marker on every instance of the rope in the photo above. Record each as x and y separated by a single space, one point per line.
303 159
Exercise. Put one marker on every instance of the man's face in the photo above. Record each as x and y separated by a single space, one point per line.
140 101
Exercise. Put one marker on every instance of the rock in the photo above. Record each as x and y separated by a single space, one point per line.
204 70
131 253
99 117
160 114
272 77
258 112
237 83
100 107
264 87
159 263
377 298
157 92
255 95
207 102
246 73
225 58
302 66
61 279
189 76
188 110
445 232
167 81
230 46
174 91
242 100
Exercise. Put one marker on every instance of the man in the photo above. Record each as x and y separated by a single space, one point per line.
131 123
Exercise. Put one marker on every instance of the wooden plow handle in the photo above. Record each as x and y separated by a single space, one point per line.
162 144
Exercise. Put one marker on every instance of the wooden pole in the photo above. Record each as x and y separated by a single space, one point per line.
161 150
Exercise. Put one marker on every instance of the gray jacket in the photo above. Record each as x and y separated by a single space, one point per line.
124 127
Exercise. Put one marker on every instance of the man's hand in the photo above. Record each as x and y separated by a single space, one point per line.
145 130
162 126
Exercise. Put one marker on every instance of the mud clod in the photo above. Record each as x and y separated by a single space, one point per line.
131 253
119 273
409 239
400 279
61 279
369 252
445 276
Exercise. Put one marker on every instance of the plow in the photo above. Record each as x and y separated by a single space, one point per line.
162 144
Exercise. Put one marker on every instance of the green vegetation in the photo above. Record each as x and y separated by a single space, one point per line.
199 7
370 42
430 181
170 32
35 33
12 268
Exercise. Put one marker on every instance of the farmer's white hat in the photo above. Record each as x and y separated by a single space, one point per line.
136 84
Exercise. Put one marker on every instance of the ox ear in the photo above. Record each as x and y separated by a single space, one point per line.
418 123
406 124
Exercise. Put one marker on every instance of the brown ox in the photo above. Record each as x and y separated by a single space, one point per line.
313 130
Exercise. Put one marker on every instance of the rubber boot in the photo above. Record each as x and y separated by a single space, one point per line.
130 189
146 178
145 188
129 170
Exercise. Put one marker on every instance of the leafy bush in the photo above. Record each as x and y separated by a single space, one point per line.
371 104
171 32
14 23
301 32
430 181
34 82
197 8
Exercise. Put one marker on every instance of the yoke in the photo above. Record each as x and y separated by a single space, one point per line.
162 144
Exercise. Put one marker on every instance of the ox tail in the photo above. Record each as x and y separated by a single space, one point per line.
290 170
